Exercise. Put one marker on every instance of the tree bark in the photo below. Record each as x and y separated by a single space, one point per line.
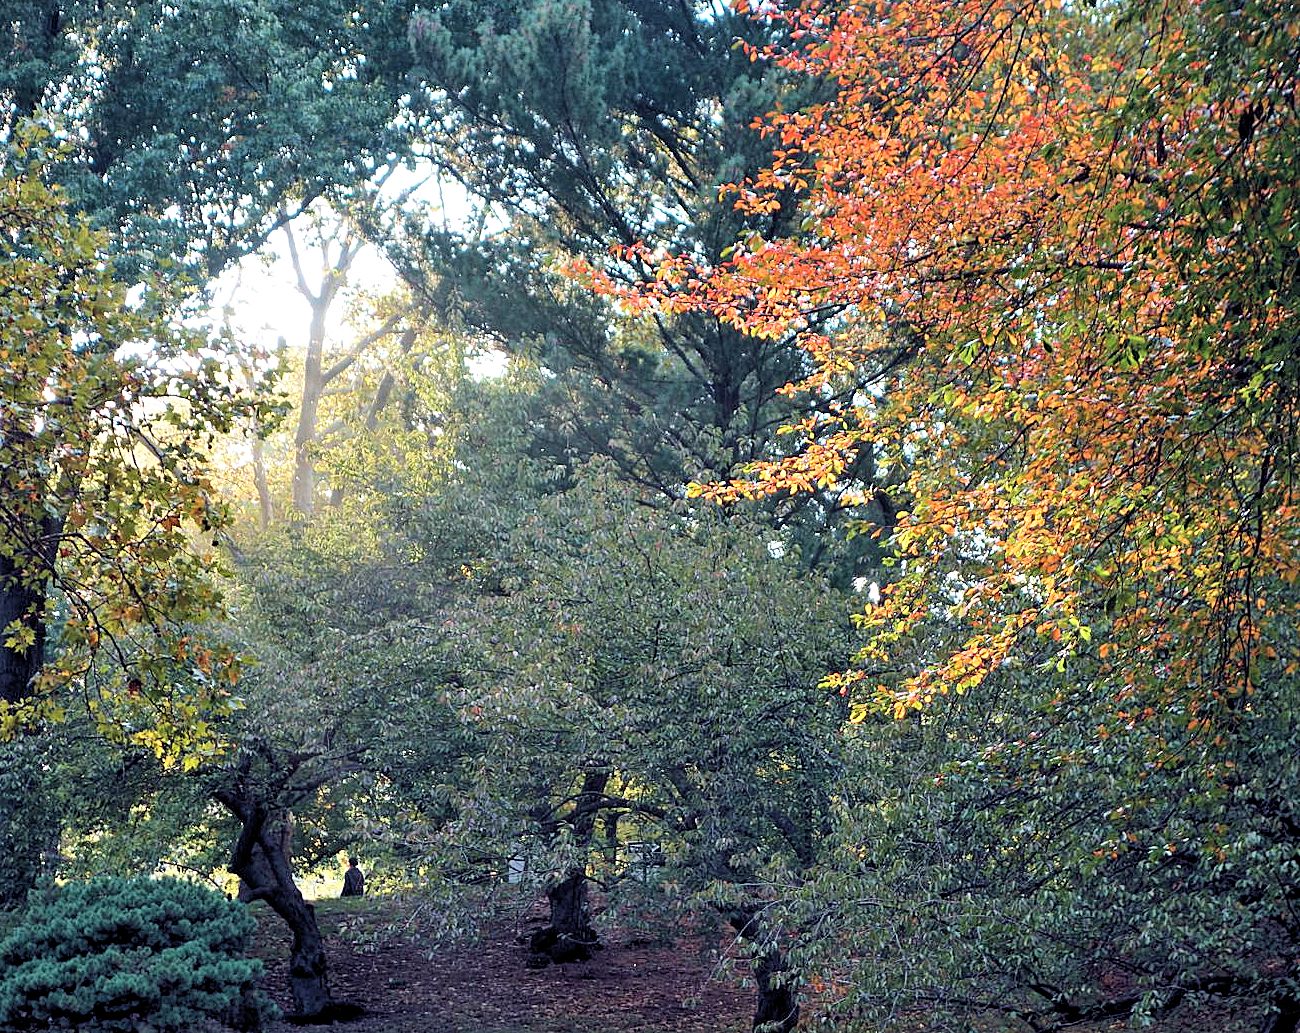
1285 1016
304 470
259 859
776 1007
570 936
23 602
279 827
265 503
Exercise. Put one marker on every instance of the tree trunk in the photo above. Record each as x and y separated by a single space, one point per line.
776 1008
25 577
280 828
265 503
1285 1016
24 604
21 795
570 936
260 860
314 374
304 470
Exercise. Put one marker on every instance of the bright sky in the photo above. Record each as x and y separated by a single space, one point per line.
262 292
266 304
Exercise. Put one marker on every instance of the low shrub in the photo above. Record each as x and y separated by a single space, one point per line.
130 954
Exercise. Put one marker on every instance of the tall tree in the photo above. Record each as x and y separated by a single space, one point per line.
107 513
337 246
1066 240
580 128
108 408
1036 858
343 725
192 128
1101 393
366 380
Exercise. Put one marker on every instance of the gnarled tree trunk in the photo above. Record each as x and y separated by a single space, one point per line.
260 860
1284 1016
776 1009
570 936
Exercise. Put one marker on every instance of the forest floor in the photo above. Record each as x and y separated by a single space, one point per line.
484 985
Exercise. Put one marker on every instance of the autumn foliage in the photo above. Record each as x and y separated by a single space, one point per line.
1056 248
107 516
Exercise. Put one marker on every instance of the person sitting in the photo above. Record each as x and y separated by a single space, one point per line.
354 883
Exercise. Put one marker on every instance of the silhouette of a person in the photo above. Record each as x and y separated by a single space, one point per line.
354 883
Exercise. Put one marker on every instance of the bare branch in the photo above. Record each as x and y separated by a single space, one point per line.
296 259
360 347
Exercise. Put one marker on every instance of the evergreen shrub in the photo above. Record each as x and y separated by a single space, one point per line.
130 954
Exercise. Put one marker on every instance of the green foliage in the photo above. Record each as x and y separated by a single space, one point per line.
28 816
589 147
343 720
191 127
106 550
123 811
669 658
1020 850
123 954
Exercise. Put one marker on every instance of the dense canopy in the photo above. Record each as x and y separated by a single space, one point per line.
815 473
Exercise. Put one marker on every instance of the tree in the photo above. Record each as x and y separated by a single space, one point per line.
343 713
405 349
341 728
577 129
367 363
997 856
338 244
344 726
191 131
1099 382
108 408
652 677
1065 240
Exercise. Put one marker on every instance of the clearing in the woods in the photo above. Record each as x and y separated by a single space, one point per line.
486 986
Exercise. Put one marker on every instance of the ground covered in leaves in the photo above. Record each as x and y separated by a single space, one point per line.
484 985
382 959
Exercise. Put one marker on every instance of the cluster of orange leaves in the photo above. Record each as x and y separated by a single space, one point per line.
1100 469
